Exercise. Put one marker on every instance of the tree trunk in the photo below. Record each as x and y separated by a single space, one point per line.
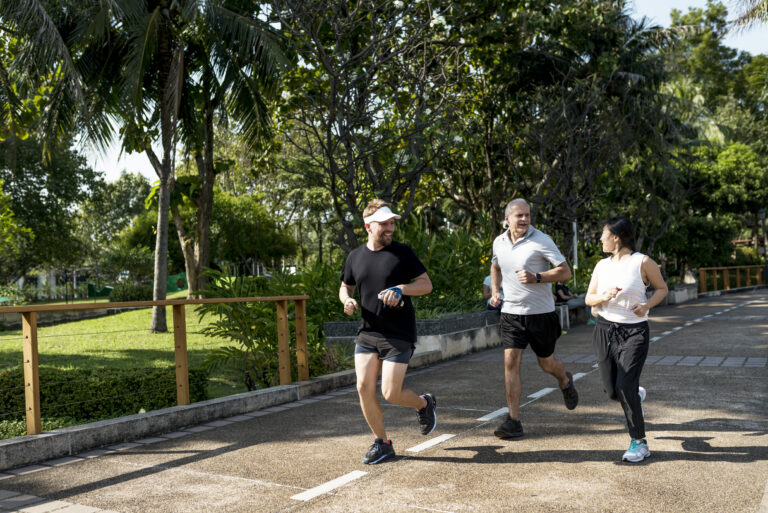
205 203
171 64
159 324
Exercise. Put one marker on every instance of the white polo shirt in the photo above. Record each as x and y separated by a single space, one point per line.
534 252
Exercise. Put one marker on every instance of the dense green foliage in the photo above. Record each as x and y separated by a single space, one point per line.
130 292
73 396
252 327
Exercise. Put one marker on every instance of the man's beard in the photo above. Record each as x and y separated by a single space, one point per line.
384 239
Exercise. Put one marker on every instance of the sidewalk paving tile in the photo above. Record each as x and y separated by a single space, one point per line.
259 413
669 360
124 446
238 418
18 501
198 429
175 434
150 440
712 361
219 423
690 361
94 453
26 470
734 361
756 362
4 494
62 461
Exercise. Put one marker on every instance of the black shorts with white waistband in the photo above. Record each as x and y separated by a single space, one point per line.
389 349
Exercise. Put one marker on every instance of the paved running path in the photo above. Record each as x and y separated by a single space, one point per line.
707 424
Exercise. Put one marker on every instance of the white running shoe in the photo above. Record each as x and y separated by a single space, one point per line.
637 452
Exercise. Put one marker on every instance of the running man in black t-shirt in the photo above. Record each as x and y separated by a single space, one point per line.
387 273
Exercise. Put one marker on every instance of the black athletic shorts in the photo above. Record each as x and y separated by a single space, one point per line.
390 349
541 331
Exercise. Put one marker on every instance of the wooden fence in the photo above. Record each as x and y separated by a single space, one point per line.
30 355
752 274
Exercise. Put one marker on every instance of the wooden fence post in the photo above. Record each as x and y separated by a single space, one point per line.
31 373
180 354
726 279
302 357
702 280
283 342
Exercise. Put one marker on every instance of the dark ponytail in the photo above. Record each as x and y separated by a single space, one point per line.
623 229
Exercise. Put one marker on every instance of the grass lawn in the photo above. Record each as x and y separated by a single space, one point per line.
120 341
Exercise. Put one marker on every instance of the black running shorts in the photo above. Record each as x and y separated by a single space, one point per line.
541 331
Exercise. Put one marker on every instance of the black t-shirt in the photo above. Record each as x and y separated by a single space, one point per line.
565 290
374 271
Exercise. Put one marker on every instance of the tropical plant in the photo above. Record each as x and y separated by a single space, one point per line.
252 327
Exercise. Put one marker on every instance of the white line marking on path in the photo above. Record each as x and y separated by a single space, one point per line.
579 375
494 414
698 320
718 313
764 503
677 328
330 485
430 443
688 324
541 393
666 333
654 339
708 316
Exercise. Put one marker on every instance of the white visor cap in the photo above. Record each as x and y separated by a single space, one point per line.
381 215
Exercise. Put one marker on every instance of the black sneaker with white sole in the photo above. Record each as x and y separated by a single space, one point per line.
379 452
570 395
510 428
428 415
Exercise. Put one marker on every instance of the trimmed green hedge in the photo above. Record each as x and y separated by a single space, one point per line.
85 395
130 292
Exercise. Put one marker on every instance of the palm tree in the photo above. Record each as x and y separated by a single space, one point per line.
752 12
143 64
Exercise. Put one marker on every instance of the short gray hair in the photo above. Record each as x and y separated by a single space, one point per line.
515 201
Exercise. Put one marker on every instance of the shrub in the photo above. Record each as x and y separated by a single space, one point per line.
130 292
86 395
252 327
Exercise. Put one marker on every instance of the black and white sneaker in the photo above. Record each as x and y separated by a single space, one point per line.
379 452
428 415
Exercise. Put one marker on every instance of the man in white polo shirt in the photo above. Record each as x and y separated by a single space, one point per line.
527 262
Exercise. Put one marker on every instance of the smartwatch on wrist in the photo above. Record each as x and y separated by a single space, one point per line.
538 277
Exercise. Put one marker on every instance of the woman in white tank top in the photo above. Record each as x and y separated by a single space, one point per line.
617 296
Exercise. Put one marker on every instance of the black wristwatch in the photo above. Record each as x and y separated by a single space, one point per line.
538 277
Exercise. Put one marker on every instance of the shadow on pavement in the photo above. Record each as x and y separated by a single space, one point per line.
695 449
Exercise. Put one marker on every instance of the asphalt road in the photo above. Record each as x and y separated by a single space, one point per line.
706 420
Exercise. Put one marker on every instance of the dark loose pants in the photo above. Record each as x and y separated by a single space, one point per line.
621 350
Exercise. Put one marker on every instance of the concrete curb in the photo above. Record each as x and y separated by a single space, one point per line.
30 449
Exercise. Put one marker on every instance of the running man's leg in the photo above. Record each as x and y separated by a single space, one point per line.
392 377
512 382
554 367
367 368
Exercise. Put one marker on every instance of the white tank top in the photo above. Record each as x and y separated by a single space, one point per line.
628 276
